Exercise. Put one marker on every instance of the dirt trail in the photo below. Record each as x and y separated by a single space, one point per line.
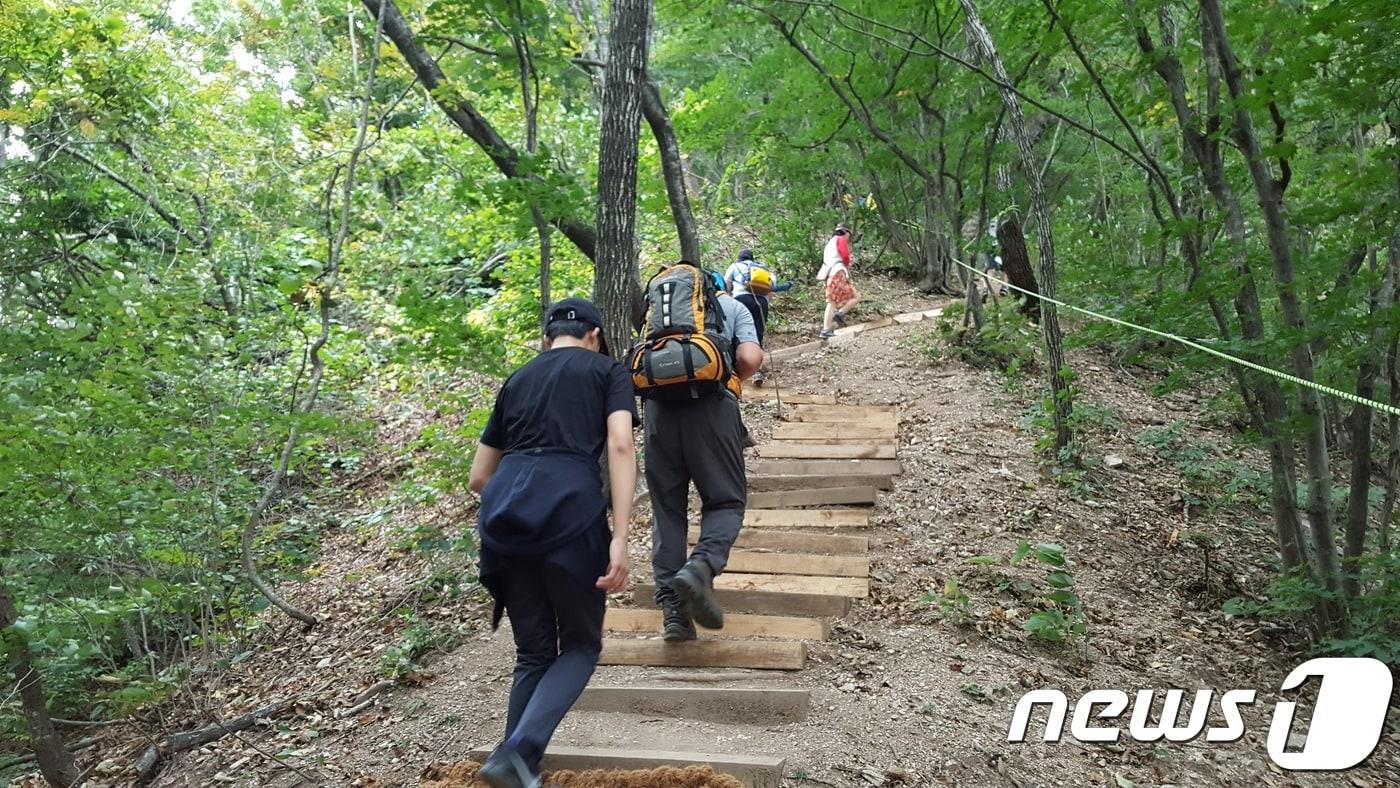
906 692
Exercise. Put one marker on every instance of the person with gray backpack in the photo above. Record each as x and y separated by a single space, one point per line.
698 347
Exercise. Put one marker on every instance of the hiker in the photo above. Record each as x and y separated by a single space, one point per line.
688 369
750 283
835 272
546 554
995 277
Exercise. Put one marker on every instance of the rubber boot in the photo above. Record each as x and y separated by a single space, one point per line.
676 626
694 584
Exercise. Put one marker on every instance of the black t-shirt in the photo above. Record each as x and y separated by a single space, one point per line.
550 421
560 401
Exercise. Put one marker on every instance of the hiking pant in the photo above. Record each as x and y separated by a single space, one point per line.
557 621
758 307
700 441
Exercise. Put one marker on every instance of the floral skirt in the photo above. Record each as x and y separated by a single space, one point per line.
839 289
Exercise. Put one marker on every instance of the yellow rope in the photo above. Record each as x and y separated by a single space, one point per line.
1197 345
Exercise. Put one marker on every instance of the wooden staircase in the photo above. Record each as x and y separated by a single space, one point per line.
800 561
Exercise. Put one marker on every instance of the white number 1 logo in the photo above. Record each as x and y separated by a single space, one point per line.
1348 720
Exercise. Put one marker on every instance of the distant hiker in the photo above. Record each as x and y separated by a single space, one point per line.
996 277
699 344
835 272
750 283
546 554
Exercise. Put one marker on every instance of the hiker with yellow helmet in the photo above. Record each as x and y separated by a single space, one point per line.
750 282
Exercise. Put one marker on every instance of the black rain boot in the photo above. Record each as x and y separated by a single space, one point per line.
676 626
694 584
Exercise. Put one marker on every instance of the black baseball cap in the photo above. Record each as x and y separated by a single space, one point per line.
582 310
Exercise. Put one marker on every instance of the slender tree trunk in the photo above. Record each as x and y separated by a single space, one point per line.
615 278
1270 196
55 762
1359 497
1269 408
1392 464
672 170
530 102
1061 395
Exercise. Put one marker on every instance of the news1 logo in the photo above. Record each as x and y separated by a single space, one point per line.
1346 725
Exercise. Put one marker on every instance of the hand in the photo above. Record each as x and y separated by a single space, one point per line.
616 578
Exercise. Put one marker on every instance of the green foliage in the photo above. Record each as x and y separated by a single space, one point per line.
1061 618
952 601
1373 616
1211 481
1007 342
418 639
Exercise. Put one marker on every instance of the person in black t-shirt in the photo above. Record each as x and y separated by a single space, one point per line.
546 554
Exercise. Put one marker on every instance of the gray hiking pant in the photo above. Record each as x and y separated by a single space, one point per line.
700 441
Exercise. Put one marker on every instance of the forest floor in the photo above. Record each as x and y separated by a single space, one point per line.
907 690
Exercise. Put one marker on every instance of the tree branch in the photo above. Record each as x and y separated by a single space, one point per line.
466 117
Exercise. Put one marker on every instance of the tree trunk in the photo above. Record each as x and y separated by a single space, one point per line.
1392 464
1061 396
1270 196
530 103
672 170
615 277
1016 261
55 762
1260 392
1359 498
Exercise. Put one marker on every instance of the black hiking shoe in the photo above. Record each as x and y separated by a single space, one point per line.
506 769
694 585
840 319
676 626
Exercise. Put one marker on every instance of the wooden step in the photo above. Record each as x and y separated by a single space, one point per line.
826 496
848 409
861 441
710 704
766 602
915 317
845 469
869 325
807 518
794 351
795 541
755 394
879 415
647 621
771 563
856 587
880 481
816 431
827 451
876 420
759 654
754 771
